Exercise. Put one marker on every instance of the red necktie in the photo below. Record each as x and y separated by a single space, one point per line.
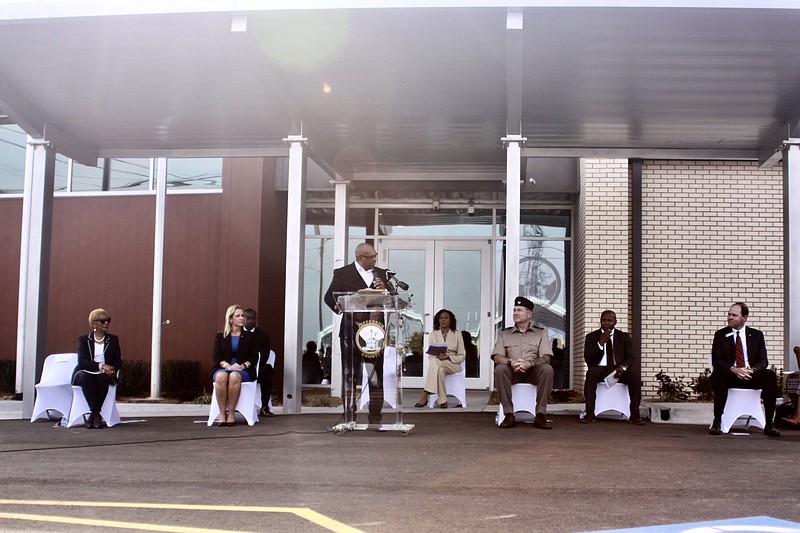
739 352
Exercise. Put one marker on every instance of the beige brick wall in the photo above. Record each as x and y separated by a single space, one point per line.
602 251
712 235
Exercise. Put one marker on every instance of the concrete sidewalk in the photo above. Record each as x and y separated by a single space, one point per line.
477 402
456 471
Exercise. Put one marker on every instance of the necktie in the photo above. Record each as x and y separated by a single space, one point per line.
739 352
610 354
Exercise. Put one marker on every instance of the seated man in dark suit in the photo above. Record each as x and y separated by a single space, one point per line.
265 371
610 350
739 357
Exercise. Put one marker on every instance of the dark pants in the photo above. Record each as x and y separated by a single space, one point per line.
95 388
597 374
763 378
351 378
265 378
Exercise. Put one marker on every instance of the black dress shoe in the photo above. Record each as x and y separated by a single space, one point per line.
541 422
508 422
715 428
589 418
770 431
636 421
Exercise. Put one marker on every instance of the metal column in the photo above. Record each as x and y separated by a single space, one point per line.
295 263
158 279
36 232
791 251
513 193
340 245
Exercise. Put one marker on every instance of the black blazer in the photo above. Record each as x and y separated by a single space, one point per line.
261 344
623 349
247 352
723 350
112 354
347 279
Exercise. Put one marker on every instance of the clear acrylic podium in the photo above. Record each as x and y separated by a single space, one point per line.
372 322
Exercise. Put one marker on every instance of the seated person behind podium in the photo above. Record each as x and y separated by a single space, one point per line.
234 362
99 360
446 353
522 354
739 357
610 350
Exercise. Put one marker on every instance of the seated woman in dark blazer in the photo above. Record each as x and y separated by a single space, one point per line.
234 362
99 361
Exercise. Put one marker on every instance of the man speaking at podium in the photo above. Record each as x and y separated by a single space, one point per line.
358 275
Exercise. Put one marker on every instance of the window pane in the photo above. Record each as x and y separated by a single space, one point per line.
87 178
12 159
62 170
129 174
427 222
540 223
200 173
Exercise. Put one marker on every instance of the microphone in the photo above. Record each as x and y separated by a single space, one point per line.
390 274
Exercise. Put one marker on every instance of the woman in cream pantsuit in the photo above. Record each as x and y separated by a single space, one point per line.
447 362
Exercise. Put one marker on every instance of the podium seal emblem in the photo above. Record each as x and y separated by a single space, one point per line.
369 338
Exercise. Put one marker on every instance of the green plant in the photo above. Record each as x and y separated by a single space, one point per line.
180 379
134 379
779 374
669 389
8 375
701 385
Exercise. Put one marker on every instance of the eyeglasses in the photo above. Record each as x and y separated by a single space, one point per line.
104 321
369 256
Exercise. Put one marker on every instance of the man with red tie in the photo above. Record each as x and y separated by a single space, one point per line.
739 357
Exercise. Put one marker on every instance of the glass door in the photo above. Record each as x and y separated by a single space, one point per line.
444 274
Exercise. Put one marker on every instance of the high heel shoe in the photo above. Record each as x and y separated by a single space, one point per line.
422 403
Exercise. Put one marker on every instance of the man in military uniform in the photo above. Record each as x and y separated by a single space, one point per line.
522 355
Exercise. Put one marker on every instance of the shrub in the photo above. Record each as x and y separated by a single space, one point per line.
134 379
8 375
671 390
180 379
701 385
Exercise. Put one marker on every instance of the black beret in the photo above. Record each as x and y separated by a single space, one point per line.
523 302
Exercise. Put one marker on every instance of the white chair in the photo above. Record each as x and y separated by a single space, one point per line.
455 385
389 380
270 362
616 399
523 398
743 403
248 404
80 407
54 390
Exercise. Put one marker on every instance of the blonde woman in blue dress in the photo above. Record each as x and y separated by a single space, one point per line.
446 353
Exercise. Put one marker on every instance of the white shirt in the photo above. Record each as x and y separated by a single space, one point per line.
366 275
604 360
99 352
744 345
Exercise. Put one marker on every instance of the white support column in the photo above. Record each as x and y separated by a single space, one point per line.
340 244
295 263
158 279
37 228
513 192
791 258
23 266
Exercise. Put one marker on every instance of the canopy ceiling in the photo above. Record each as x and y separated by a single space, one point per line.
400 93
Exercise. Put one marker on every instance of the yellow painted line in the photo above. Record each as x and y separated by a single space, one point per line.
301 512
109 523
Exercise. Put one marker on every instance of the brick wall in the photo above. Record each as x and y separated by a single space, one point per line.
712 235
602 251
